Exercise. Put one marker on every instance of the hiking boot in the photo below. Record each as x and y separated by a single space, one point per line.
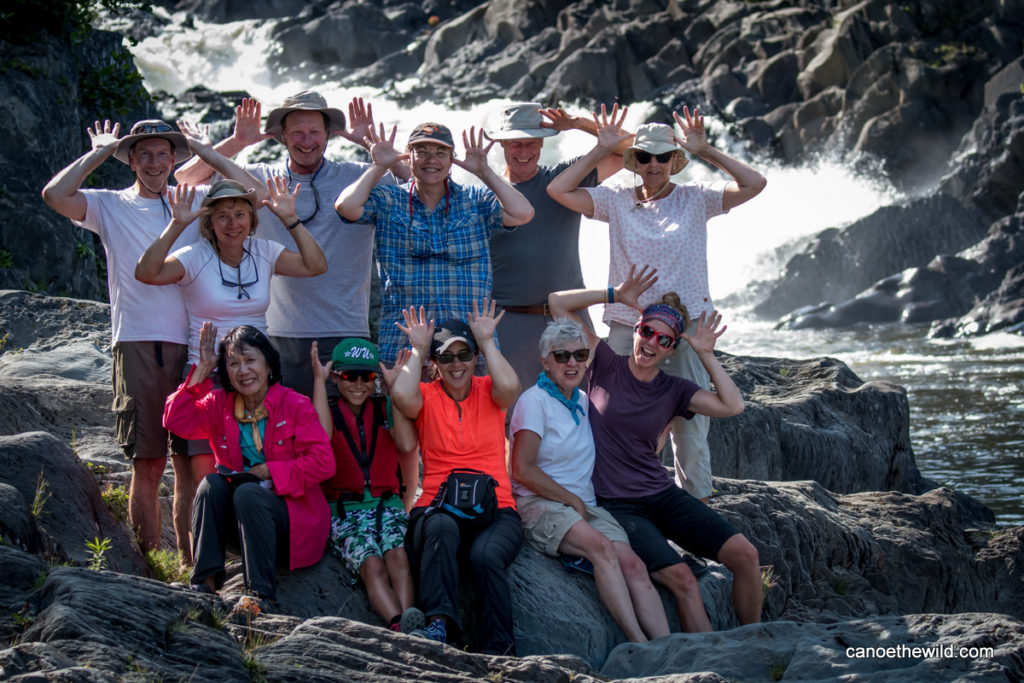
412 620
435 631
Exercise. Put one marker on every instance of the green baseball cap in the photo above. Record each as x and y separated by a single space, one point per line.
355 354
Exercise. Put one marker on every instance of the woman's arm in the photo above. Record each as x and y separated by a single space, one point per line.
155 267
310 259
565 188
564 304
199 142
321 372
247 132
525 447
405 392
559 119
515 208
726 400
504 381
353 198
190 411
746 182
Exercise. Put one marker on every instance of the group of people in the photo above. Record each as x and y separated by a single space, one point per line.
291 432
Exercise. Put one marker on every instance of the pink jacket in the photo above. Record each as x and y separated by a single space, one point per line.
297 450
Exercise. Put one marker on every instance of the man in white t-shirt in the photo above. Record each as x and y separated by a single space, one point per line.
335 305
149 326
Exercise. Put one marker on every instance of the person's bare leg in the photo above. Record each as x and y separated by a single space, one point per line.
382 598
144 500
583 539
397 563
647 606
742 560
683 584
184 492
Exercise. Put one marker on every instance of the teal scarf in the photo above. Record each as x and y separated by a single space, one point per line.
573 404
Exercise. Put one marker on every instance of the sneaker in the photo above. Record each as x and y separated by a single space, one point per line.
412 620
435 631
579 564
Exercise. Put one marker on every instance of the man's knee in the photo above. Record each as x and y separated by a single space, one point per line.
148 470
739 554
679 580
631 565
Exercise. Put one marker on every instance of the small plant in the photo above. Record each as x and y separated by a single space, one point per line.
84 250
6 261
96 468
257 669
167 566
41 497
768 580
777 669
97 553
40 579
116 500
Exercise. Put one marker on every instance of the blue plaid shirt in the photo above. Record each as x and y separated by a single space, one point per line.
439 259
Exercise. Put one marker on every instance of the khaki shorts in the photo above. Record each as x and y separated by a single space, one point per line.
546 522
144 374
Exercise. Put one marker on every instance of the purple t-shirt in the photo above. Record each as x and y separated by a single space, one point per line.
627 416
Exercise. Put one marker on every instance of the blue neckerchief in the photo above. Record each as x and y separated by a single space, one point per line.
573 404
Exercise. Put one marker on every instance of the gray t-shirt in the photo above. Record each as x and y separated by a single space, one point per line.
337 303
627 416
542 256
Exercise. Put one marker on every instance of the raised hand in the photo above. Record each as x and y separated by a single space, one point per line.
391 374
321 371
634 285
180 200
281 202
198 137
483 321
695 138
360 118
558 119
707 333
248 130
476 154
382 147
104 137
609 127
207 348
417 328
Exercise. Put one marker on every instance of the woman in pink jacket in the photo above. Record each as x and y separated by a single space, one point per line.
271 455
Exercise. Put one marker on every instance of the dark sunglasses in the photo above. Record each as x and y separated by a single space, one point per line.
357 375
465 355
152 128
665 341
563 356
643 157
241 285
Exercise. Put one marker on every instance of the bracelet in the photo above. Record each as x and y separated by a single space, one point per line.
292 226
611 295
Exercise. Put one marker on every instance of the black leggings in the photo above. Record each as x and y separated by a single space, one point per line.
434 542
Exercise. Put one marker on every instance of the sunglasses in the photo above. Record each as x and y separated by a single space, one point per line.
665 341
241 285
152 128
357 375
643 157
465 355
563 356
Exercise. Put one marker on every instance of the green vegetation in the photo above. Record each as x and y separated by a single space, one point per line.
768 580
777 669
116 87
97 551
116 499
6 261
166 565
41 497
21 21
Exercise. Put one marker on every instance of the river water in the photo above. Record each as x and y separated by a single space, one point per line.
966 396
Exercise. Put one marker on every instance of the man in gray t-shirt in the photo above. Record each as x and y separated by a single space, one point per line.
335 305
541 256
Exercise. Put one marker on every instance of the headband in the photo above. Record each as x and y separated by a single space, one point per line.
667 315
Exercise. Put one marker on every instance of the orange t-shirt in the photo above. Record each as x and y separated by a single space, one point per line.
462 434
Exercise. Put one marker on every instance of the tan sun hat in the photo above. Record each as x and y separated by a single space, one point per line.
307 100
518 121
153 128
655 138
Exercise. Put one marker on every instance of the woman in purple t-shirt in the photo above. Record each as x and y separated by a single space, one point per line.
632 402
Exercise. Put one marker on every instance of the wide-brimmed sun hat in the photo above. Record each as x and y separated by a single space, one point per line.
655 138
153 128
518 121
307 100
229 189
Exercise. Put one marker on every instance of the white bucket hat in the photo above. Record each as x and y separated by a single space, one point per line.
655 138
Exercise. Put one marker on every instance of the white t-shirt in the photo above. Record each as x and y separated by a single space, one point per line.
127 224
566 451
226 305
335 303
670 234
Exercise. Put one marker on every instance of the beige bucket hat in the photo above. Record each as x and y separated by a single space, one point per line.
153 128
307 100
655 138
